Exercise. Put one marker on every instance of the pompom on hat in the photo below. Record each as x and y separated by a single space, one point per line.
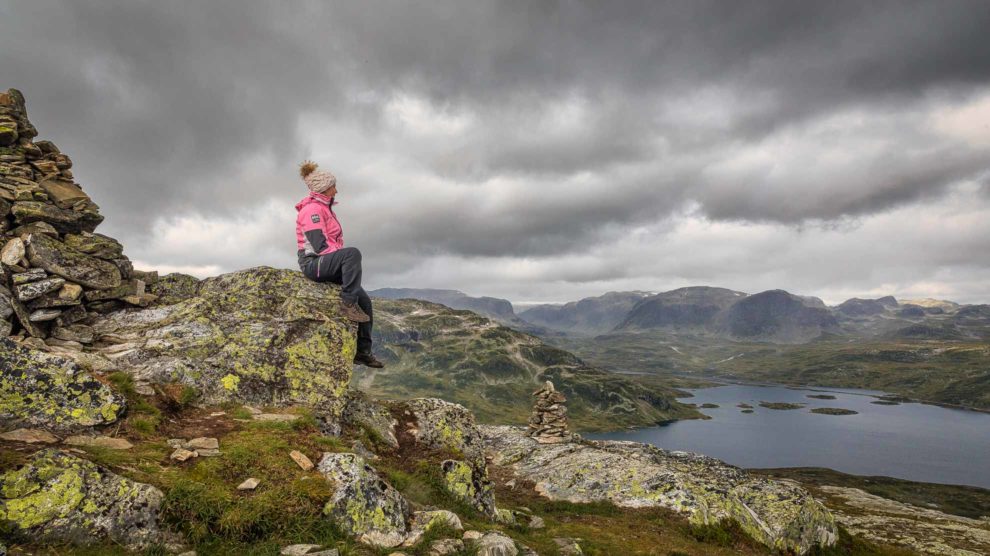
317 181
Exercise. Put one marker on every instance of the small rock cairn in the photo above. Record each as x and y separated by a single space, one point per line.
54 270
548 424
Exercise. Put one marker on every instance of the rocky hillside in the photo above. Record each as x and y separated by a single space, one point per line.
430 349
223 419
590 316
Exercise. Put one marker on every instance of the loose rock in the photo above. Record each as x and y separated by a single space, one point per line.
33 290
300 549
445 547
249 484
301 460
12 252
99 441
29 436
32 275
181 454
203 443
568 547
496 544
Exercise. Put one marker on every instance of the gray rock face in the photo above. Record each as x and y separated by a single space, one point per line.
781 515
62 260
42 390
444 426
64 221
693 308
363 412
261 336
174 288
469 482
57 497
441 425
776 316
363 504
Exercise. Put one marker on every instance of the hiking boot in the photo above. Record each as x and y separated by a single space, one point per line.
368 360
353 313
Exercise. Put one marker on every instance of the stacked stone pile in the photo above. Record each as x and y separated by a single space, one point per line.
548 424
54 270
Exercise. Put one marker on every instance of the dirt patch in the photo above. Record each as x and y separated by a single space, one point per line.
197 422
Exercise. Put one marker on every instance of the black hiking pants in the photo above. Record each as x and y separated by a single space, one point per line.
343 267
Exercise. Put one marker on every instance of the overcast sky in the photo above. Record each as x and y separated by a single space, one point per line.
537 151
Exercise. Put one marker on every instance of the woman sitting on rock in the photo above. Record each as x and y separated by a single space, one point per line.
323 257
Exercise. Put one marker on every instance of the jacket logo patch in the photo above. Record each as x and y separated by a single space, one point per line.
315 218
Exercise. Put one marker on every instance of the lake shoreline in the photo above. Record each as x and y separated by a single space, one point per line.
849 434
722 381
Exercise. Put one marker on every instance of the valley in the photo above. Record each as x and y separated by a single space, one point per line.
432 350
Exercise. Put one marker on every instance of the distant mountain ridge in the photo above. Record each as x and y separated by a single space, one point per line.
773 316
591 315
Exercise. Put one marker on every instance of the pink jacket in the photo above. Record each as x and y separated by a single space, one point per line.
318 231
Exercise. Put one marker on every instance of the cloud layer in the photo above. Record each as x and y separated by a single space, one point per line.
537 151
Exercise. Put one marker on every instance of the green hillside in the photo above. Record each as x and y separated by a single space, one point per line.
432 350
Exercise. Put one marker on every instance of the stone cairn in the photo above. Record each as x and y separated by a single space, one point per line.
54 270
548 424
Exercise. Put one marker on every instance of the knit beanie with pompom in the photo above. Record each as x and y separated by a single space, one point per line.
317 181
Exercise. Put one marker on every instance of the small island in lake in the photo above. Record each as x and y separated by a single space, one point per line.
782 406
744 406
833 411
709 405
747 411
821 396
885 402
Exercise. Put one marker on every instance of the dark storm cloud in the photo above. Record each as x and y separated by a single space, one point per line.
168 108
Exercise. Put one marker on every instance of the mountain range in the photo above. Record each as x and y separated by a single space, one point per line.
774 316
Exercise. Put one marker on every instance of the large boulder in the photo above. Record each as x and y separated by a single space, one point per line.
778 514
261 336
42 390
75 266
363 504
57 497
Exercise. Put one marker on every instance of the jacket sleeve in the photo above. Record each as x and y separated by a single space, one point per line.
312 223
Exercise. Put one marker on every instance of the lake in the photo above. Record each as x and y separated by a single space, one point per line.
909 441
